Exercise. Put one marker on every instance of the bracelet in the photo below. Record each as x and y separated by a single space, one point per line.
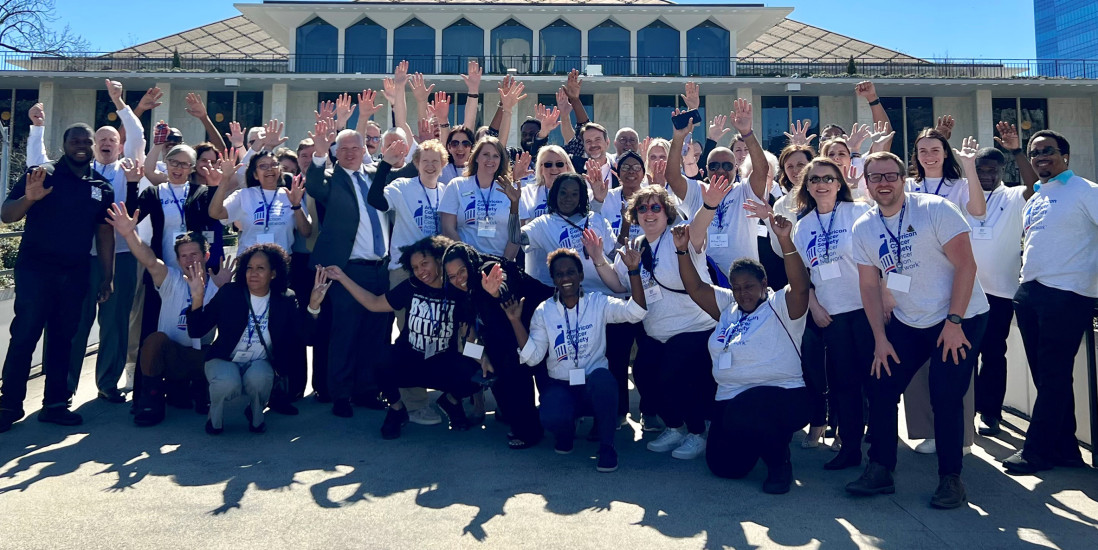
707 207
749 133
790 253
680 252
1017 151
295 207
600 265
311 310
476 95
499 103
633 272
875 102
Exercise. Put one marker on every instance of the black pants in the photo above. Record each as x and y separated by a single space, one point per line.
360 339
302 276
757 423
813 365
686 386
449 372
514 385
646 373
1052 323
619 345
991 378
948 385
849 357
47 300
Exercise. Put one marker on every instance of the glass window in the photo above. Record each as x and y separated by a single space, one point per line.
364 51
894 108
107 115
317 47
14 105
243 107
608 45
460 42
414 41
457 110
919 112
658 49
511 47
775 122
660 108
550 100
560 48
1029 115
707 47
807 108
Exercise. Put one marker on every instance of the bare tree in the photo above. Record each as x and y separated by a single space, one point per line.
26 27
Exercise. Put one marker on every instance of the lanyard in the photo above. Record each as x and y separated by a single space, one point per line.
179 204
987 203
732 327
586 222
940 183
491 189
893 237
255 327
573 337
827 232
656 252
434 212
206 292
267 208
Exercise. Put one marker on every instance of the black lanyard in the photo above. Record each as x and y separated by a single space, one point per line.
586 223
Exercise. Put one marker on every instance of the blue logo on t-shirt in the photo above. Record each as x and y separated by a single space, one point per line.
888 259
471 212
560 348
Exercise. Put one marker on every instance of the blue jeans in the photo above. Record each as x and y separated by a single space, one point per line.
561 404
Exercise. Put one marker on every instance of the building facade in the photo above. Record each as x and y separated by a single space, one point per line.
1067 34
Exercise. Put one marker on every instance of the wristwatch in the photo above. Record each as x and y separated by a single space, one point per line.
954 318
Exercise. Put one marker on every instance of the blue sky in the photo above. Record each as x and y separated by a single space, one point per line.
994 29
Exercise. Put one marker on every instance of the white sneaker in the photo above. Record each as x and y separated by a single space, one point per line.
966 450
425 416
927 447
692 447
669 440
130 373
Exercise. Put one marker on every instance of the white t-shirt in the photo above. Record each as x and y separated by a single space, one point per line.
755 349
955 191
671 312
1060 237
250 346
549 232
449 172
534 204
928 223
264 216
175 300
584 328
687 206
414 209
611 210
732 235
997 240
482 214
825 240
174 222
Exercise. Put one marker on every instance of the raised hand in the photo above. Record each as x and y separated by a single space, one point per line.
366 105
858 134
150 100
396 151
967 153
642 149
326 109
758 210
798 132
741 116
682 132
945 125
630 256
120 219
513 309
505 83
420 91
717 129
681 236
562 103
658 176
195 275
114 90
323 135
492 281
592 243
880 132
400 74
424 129
691 98
865 89
225 271
134 171
272 137
472 80
297 190
36 189
852 175
512 189
549 118
512 96
573 85
389 88
227 168
1008 136
213 175
321 284
235 135
715 191
782 226
521 168
344 108
441 106
594 179
195 107
37 114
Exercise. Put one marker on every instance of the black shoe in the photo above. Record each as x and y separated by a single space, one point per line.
845 460
342 408
7 418
1017 464
990 426
394 421
778 479
60 416
112 397
283 408
875 480
322 397
950 493
261 428
149 416
608 459
456 413
372 402
1073 462
210 429
829 433
564 446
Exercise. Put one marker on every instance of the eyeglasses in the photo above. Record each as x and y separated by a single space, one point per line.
726 166
822 179
265 166
179 164
464 143
373 139
1046 152
890 177
631 168
655 208
558 164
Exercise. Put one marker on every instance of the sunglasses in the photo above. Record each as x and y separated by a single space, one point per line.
631 168
558 164
655 208
822 179
890 177
726 166
1046 152
462 143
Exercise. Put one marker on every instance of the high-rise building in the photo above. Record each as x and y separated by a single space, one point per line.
1067 34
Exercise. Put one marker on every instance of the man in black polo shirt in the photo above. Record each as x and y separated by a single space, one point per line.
65 203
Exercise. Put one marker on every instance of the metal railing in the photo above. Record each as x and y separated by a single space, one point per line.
671 66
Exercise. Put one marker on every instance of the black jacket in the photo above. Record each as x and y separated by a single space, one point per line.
333 190
196 212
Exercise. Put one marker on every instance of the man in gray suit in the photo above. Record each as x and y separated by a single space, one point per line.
354 236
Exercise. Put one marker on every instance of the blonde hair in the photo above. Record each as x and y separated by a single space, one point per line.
539 171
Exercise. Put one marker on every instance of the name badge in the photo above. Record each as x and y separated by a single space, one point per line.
473 351
242 357
761 231
981 233
97 194
724 361
829 271
899 282
653 294
577 377
719 240
486 228
265 238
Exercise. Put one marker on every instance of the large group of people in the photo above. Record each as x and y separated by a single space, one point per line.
747 296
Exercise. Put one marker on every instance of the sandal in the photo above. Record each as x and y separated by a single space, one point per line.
812 440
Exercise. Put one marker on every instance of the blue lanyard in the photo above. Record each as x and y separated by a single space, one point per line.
731 327
179 204
255 324
893 238
491 189
573 337
267 207
656 252
827 232
940 183
434 212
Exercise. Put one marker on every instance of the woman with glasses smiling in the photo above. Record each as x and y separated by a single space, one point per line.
551 162
459 145
267 209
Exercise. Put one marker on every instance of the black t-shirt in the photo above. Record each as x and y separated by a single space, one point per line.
60 227
430 325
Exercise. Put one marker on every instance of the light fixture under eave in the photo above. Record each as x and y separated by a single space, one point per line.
792 87
232 82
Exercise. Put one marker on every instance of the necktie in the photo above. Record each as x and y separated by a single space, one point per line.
375 221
